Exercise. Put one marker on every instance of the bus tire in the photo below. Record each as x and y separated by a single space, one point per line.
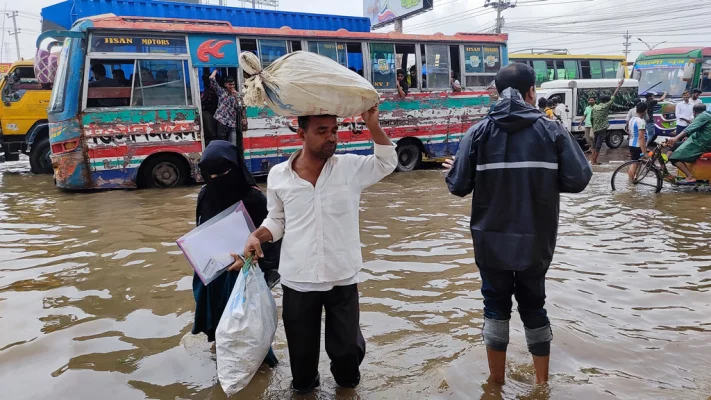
409 156
40 161
614 139
163 171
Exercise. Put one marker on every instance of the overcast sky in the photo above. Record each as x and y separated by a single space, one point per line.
581 26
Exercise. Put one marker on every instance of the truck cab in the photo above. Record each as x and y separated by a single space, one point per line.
23 117
575 94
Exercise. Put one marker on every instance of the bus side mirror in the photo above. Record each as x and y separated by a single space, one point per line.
688 72
621 72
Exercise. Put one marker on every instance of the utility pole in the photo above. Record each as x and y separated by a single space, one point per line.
627 44
500 5
16 32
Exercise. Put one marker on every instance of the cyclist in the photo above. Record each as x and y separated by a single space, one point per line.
698 142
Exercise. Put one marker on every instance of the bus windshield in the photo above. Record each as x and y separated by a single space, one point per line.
660 79
56 102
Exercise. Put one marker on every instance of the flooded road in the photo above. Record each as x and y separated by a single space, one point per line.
96 300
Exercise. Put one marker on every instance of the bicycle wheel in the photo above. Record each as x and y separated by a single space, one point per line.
648 178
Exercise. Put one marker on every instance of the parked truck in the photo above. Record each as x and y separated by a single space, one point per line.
23 117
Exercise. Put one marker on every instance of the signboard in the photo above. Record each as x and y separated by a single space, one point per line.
679 63
128 43
4 69
383 12
213 50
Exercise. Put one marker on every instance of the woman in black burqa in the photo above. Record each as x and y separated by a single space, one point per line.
227 181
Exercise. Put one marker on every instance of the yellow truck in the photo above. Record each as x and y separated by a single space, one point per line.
23 117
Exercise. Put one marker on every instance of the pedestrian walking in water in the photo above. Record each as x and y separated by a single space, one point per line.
601 122
227 182
586 120
314 200
516 162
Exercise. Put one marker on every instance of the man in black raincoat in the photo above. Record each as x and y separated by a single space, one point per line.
516 162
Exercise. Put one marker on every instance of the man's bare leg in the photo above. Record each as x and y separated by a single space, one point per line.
593 159
497 365
633 171
682 166
541 366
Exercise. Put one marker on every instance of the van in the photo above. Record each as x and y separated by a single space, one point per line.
575 94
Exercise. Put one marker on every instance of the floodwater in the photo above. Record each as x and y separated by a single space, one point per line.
96 301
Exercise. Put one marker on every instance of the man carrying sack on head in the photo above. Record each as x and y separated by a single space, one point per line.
313 203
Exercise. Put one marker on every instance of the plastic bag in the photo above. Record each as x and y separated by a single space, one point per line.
304 83
246 330
45 66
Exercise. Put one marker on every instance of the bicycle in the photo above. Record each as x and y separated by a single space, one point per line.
648 176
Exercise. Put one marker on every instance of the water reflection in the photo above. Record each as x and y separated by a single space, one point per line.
96 298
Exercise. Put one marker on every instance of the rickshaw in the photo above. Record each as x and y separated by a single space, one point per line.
652 172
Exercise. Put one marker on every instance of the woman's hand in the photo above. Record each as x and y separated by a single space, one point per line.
238 264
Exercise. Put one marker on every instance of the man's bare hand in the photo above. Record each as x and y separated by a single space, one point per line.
253 248
448 164
371 117
238 264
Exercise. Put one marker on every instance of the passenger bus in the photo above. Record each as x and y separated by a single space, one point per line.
673 70
554 66
148 130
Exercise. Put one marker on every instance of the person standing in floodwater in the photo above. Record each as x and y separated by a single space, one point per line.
516 163
314 203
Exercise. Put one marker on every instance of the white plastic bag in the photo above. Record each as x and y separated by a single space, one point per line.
246 330
304 83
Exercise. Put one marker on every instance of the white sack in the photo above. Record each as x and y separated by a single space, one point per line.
246 330
305 83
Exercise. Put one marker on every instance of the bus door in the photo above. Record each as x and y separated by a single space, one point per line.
210 53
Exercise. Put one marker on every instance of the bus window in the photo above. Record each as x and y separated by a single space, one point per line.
249 45
406 59
595 69
270 50
295 45
382 57
354 53
706 77
609 70
571 69
437 66
539 67
455 67
473 59
110 83
161 83
474 68
492 59
591 69
334 51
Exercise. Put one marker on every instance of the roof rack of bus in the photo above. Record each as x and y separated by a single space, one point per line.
541 51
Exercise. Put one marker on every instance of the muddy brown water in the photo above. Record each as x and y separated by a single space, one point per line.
96 301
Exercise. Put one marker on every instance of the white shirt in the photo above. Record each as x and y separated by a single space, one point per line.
631 114
635 125
560 111
319 225
695 102
684 110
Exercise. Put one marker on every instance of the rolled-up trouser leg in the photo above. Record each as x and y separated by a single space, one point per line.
497 287
530 292
496 334
539 340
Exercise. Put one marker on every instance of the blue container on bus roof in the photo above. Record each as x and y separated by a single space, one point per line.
61 16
